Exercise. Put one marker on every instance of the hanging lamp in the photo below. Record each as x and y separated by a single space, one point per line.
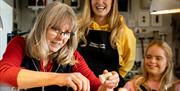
165 6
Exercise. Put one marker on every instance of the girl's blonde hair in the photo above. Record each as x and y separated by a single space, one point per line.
53 14
167 76
86 18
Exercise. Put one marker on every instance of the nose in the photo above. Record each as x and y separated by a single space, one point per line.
153 60
100 1
60 36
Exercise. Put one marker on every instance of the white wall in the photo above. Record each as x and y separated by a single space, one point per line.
133 18
133 22
6 13
27 16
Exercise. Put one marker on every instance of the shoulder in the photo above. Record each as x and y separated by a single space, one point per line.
124 26
134 83
122 20
76 54
177 86
130 85
78 57
17 40
126 34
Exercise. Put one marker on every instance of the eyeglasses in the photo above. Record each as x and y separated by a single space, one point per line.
65 34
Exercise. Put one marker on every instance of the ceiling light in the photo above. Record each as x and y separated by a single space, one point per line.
165 6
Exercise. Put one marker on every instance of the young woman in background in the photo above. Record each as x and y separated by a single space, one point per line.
157 69
105 41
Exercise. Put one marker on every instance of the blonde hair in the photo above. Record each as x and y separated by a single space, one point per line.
167 77
85 19
53 14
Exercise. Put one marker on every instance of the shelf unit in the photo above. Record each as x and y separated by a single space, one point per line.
35 8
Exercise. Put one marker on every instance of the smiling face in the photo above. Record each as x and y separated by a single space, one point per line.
57 37
155 60
101 8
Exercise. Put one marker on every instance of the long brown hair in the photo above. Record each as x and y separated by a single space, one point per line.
85 19
167 77
52 15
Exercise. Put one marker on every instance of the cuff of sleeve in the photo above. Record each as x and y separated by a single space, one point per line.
12 78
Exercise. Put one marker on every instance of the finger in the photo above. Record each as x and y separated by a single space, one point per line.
110 84
105 71
114 76
72 85
114 73
85 83
88 85
122 89
112 81
79 85
77 81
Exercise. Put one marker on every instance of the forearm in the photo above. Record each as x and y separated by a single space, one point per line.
102 88
30 79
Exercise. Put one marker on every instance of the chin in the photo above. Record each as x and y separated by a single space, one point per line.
54 49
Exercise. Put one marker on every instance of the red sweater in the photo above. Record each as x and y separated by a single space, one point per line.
13 56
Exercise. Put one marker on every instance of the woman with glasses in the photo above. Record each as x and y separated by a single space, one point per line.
47 60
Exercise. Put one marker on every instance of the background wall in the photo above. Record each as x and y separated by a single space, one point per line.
145 29
143 24
6 13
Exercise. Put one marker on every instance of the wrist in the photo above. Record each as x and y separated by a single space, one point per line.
57 79
104 88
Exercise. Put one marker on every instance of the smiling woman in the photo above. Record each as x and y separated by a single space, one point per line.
57 37
47 60
157 69
105 41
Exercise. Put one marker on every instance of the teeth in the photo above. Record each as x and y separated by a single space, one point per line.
100 7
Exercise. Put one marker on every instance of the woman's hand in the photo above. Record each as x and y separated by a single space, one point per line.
111 82
74 80
122 89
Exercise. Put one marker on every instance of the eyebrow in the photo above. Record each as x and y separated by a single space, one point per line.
154 55
59 29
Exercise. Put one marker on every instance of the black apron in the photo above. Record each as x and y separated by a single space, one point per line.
33 64
98 53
